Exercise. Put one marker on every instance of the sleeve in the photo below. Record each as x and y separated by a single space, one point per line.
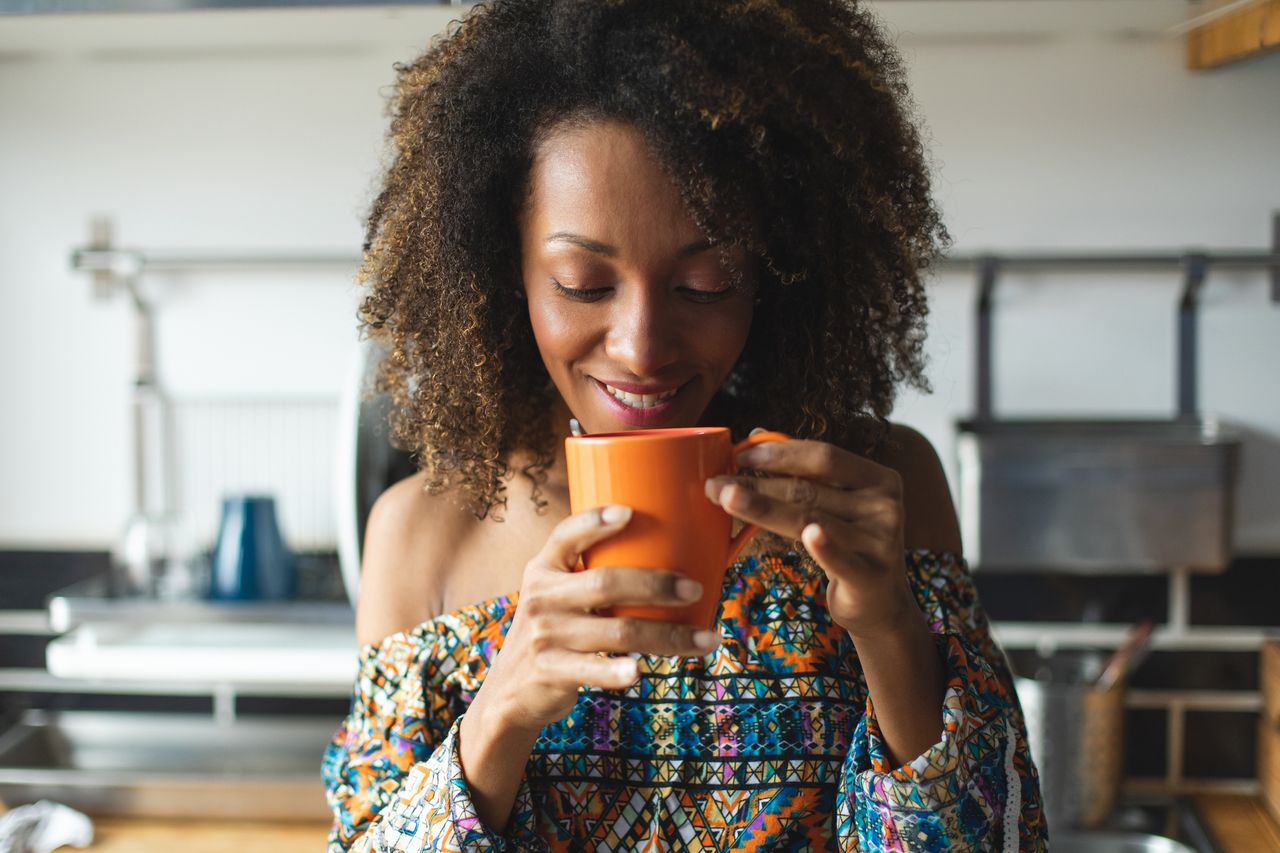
977 788
394 780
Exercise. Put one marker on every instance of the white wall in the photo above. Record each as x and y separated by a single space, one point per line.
1053 125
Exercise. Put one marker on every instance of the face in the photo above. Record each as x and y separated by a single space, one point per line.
630 306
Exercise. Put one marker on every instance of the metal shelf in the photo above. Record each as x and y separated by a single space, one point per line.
93 600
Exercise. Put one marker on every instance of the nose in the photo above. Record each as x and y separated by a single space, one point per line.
643 336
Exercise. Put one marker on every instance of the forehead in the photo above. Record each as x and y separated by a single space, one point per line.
603 181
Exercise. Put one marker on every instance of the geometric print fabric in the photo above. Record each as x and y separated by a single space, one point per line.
768 743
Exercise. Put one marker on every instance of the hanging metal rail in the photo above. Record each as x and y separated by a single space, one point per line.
113 267
1194 265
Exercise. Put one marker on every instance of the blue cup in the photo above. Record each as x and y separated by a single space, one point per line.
250 559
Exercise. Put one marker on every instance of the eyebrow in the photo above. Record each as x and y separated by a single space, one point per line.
612 251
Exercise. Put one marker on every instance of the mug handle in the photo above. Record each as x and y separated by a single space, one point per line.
737 543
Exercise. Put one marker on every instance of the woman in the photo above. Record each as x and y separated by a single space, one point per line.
646 213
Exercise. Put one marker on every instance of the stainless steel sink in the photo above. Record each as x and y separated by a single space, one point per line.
1116 842
1151 823
167 765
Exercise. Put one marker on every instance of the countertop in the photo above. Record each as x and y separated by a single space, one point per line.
133 835
1239 823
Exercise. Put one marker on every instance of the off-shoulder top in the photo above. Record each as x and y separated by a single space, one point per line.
768 743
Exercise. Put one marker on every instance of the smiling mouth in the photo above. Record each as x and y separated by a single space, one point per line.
638 401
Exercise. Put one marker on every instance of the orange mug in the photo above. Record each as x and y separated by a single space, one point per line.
661 474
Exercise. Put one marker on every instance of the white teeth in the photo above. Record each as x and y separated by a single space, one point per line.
639 401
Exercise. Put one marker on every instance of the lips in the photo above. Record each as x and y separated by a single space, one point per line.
660 410
633 388
639 399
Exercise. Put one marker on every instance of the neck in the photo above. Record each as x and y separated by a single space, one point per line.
557 471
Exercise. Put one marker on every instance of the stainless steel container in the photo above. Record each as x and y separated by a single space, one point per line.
1076 735
1117 842
1097 496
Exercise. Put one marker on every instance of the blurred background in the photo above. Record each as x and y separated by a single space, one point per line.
182 194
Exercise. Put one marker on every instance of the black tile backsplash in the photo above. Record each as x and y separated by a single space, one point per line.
1247 593
1010 597
1192 670
1220 744
1144 736
304 706
28 577
106 702
22 650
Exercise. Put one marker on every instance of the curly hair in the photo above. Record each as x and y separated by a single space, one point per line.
786 125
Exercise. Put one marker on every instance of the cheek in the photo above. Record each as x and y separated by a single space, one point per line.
726 336
559 335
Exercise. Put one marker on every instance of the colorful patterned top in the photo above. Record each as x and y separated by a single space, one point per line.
768 743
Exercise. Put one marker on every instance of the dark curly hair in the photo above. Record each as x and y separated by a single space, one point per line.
786 125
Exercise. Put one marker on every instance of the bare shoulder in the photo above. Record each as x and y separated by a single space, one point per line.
931 520
411 540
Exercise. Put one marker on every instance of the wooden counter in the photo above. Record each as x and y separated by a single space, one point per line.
154 835
136 835
1240 824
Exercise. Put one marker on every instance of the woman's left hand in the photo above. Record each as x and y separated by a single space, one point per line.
848 513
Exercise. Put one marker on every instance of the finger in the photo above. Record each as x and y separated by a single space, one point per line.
816 540
798 491
869 509
846 550
874 542
573 669
769 512
816 460
609 585
579 532
647 636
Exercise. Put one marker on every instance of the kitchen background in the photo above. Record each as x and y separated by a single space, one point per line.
1054 126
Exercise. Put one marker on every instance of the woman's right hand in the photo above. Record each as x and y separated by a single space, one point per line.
550 649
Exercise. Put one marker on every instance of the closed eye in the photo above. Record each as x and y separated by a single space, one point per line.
707 295
581 294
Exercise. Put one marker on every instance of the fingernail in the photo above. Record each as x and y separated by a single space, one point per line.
757 430
626 668
688 589
735 500
706 639
713 489
615 514
814 532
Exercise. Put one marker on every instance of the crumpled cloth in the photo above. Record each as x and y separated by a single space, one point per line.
42 827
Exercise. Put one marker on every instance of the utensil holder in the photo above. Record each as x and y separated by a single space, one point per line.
1076 735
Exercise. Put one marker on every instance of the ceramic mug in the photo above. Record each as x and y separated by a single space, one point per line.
250 559
661 474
